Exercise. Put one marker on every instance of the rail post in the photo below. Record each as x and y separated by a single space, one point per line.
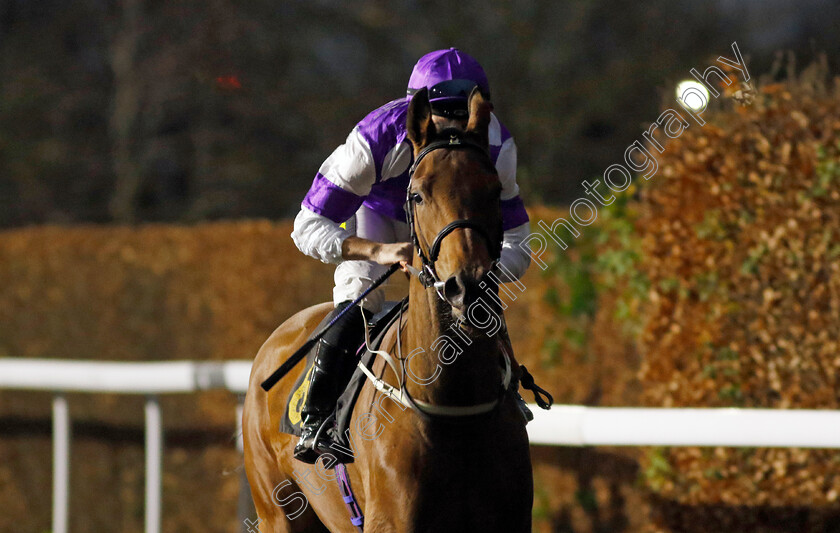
154 452
61 463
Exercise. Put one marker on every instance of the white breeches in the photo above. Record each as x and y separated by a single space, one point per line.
352 278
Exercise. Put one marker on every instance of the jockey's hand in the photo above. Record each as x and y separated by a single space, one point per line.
404 268
398 252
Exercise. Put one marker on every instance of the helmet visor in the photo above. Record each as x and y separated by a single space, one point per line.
450 98
456 109
451 89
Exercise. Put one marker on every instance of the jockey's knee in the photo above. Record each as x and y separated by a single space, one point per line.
352 278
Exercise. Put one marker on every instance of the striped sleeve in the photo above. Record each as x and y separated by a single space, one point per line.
513 209
343 180
515 257
339 188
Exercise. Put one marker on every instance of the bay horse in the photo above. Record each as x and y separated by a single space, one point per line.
416 469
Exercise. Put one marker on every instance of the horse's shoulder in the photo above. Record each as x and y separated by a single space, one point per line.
291 333
305 319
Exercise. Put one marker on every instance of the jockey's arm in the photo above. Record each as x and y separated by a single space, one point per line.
337 191
345 179
514 259
356 248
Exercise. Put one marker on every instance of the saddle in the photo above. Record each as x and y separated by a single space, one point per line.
291 421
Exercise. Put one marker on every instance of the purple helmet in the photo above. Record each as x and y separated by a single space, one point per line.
450 75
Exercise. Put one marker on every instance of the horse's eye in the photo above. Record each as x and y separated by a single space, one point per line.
416 198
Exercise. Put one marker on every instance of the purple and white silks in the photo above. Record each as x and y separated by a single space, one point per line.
371 168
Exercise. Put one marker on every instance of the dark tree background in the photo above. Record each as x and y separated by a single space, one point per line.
146 110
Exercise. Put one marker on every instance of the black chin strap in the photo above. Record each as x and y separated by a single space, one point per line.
428 276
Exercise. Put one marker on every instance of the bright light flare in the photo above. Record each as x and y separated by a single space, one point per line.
693 95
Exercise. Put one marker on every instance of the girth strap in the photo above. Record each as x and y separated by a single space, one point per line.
357 518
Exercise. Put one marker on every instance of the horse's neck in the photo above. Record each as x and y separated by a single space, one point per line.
474 375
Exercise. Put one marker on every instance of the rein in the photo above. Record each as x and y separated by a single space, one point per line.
428 410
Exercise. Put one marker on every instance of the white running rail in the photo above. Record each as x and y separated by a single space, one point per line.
61 376
563 425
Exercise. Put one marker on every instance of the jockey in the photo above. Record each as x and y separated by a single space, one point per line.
353 216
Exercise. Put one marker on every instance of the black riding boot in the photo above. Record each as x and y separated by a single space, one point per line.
335 359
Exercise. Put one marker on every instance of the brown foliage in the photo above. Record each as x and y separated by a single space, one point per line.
212 291
742 249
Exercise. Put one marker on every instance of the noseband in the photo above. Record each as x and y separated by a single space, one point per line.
428 276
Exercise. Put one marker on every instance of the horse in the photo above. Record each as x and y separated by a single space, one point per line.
457 458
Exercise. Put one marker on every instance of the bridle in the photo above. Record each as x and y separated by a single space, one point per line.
429 278
428 275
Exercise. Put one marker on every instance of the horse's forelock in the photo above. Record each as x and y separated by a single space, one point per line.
465 136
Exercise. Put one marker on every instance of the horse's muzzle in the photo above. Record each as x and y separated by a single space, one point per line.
463 289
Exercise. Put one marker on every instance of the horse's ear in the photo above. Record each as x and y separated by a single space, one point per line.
419 125
479 121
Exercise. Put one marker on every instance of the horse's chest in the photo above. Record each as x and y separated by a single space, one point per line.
462 482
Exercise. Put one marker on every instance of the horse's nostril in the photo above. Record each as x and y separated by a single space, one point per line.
453 290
